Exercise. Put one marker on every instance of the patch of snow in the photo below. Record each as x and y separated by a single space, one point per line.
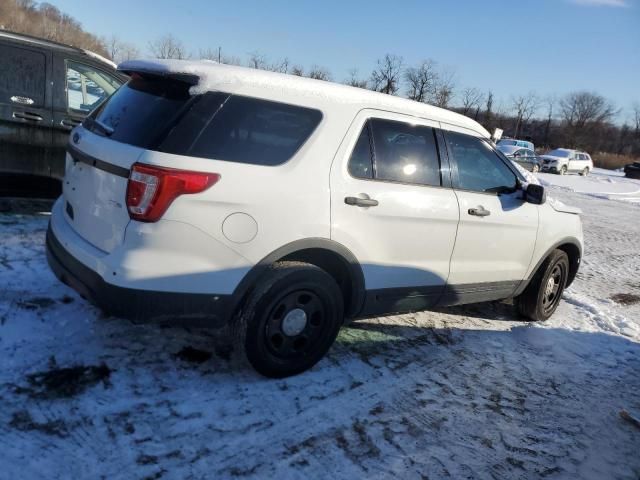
463 392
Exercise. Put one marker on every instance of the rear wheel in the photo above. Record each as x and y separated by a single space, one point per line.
290 320
585 172
542 296
563 170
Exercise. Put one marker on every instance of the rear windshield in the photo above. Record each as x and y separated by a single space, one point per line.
161 115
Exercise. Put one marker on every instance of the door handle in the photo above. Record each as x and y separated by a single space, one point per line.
479 212
32 117
361 202
69 123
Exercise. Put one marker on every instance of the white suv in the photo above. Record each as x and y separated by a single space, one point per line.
563 161
285 205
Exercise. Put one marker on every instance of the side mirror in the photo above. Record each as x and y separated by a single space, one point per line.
535 194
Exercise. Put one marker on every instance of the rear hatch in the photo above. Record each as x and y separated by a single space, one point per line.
102 151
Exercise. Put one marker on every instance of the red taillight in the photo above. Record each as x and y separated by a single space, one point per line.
151 189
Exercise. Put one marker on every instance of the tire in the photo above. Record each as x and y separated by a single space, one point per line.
563 170
535 169
542 296
290 320
585 172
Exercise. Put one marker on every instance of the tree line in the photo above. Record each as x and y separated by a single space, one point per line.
581 119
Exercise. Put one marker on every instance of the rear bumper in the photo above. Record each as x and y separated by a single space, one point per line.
135 304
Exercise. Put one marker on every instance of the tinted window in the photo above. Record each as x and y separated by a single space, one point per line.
405 153
360 164
87 87
140 111
479 167
22 76
249 130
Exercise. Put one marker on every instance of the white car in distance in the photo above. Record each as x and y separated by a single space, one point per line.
564 160
285 206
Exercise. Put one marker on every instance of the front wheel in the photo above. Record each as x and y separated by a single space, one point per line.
535 169
290 320
563 170
542 296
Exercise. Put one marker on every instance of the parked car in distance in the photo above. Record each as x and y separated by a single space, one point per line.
632 170
564 160
525 157
285 205
46 89
512 142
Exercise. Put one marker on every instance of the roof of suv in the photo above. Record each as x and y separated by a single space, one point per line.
42 42
212 76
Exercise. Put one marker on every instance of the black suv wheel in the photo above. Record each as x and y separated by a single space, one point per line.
542 296
290 320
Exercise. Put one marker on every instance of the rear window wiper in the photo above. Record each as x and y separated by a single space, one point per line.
108 131
104 128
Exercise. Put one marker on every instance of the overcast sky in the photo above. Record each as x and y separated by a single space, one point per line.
546 46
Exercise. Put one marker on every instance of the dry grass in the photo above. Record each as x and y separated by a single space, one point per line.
612 161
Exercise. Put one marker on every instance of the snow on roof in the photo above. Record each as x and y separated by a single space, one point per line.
214 76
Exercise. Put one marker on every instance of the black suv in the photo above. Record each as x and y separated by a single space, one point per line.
46 89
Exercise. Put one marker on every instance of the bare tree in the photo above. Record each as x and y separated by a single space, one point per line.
297 70
281 66
444 89
636 117
583 112
421 81
385 77
581 108
210 54
319 73
524 106
230 60
354 80
471 100
121 51
168 46
257 60
550 102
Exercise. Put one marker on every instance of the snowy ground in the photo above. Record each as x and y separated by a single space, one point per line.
467 393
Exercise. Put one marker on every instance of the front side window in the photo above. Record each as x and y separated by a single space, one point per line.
87 87
479 167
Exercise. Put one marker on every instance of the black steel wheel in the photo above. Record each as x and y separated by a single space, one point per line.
542 296
291 319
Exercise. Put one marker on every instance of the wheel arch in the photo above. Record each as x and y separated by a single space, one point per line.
572 247
331 256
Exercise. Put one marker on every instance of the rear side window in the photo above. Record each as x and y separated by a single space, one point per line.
250 130
479 168
22 76
405 153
